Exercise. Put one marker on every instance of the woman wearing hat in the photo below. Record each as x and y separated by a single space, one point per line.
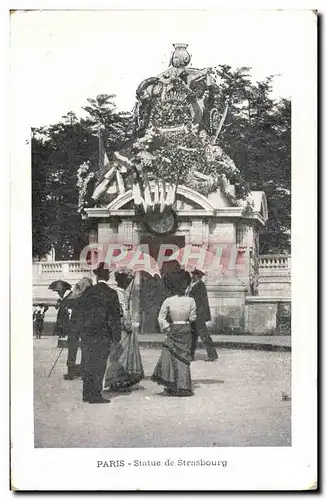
124 368
177 312
73 301
62 321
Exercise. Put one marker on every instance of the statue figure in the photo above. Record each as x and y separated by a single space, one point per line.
177 125
183 92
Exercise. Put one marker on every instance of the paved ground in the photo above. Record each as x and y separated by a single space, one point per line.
266 342
237 402
260 342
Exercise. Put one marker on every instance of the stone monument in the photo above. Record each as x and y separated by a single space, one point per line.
173 184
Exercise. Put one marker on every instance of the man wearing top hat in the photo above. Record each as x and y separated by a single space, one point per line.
101 322
197 290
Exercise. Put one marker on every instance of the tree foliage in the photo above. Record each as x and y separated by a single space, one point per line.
256 135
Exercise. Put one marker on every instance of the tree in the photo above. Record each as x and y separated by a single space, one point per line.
56 222
41 196
116 127
257 136
57 153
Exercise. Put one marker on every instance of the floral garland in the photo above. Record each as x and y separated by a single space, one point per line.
202 187
172 156
171 113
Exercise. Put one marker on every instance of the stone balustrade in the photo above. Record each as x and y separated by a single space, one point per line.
277 262
45 273
275 275
269 312
267 264
59 269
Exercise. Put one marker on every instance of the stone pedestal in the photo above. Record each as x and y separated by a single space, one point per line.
267 315
202 222
227 303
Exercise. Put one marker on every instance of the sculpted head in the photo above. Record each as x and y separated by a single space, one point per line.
180 57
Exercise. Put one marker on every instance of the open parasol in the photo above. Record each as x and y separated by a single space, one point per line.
60 286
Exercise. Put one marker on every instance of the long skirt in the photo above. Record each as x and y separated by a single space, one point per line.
124 366
173 367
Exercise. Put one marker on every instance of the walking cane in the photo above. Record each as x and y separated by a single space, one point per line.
56 361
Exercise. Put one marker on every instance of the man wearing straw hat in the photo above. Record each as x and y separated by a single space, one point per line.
197 290
101 328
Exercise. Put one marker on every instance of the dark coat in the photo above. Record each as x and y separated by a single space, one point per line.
62 323
100 314
75 324
200 295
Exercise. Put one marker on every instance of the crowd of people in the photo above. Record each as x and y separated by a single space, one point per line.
99 319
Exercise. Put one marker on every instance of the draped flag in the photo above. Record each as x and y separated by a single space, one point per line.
103 158
107 173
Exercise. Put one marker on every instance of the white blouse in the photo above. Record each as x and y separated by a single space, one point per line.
179 309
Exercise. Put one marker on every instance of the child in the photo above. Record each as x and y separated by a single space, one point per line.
38 319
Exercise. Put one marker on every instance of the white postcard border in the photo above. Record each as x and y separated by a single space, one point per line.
248 468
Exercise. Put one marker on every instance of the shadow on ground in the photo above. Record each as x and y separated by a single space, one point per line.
206 381
124 392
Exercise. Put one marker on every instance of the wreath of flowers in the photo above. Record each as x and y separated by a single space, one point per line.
172 156
202 187
171 112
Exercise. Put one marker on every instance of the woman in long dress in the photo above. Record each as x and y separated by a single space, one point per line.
176 313
124 367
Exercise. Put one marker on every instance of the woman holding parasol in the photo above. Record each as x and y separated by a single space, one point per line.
124 367
62 288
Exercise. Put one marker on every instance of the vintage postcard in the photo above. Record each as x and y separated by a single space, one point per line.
163 233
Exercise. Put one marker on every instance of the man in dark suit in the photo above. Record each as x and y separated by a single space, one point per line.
197 290
101 327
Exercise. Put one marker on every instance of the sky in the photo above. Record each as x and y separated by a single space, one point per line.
61 58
